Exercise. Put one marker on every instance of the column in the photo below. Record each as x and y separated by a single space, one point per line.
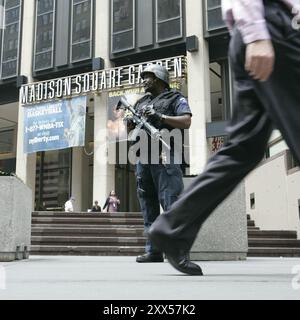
26 164
104 168
198 87
77 178
104 173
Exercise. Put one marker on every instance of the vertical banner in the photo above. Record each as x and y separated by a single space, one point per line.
55 125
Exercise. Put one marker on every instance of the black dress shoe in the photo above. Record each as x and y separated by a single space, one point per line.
150 257
182 263
178 258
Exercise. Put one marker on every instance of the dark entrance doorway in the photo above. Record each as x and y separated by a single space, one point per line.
126 188
53 179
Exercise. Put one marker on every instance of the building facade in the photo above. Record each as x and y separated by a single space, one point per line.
52 39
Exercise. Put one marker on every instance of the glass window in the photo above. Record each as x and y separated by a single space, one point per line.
45 6
123 25
44 35
6 141
214 19
82 30
8 165
168 19
53 178
11 38
217 94
220 96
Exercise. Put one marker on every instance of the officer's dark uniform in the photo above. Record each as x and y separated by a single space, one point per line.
160 184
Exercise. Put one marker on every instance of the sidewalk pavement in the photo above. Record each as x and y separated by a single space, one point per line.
121 278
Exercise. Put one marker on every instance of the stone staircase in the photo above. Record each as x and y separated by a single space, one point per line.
271 243
121 234
96 234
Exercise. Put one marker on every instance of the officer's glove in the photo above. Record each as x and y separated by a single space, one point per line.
152 115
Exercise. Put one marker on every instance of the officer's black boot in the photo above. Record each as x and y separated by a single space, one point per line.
150 257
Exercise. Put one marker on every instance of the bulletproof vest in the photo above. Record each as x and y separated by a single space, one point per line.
164 104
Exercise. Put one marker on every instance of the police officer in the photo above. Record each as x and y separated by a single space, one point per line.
160 183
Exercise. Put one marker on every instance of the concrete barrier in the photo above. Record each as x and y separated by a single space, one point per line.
223 236
15 219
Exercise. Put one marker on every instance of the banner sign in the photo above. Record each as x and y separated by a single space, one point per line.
119 78
216 143
55 125
116 128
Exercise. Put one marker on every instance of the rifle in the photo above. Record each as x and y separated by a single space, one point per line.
141 122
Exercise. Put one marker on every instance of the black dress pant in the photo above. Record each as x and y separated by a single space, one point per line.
259 108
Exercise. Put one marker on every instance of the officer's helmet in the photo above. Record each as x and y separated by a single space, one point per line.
159 71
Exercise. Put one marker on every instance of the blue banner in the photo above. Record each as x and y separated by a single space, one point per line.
55 125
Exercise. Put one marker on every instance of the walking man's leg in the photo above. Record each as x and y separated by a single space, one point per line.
168 181
257 106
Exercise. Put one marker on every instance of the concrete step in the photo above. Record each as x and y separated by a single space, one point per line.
89 221
60 233
88 241
273 252
255 242
87 215
87 250
132 231
276 234
87 226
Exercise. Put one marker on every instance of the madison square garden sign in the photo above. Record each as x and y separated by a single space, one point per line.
55 110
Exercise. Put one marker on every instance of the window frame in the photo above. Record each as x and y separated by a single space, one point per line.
180 18
215 29
226 87
133 29
19 41
53 37
12 153
218 128
91 32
